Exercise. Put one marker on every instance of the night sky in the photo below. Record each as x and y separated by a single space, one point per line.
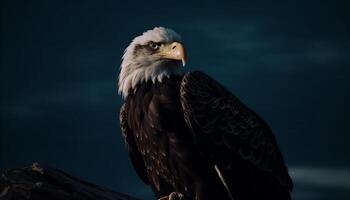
290 62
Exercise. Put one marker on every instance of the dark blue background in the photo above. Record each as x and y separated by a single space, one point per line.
288 61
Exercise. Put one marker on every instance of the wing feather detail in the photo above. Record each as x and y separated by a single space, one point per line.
223 127
134 154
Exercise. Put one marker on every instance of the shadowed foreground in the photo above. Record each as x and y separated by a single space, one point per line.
42 183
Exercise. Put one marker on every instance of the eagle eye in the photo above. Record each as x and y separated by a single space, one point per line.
154 45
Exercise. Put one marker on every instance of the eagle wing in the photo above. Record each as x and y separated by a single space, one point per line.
224 127
134 154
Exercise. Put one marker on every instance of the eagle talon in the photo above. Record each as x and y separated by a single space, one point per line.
173 196
176 196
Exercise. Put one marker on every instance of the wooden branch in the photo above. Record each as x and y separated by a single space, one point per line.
42 183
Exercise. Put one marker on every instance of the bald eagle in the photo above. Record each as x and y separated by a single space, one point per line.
188 137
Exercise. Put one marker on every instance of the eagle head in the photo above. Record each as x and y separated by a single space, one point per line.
155 54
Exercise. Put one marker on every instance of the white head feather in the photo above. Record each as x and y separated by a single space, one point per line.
137 68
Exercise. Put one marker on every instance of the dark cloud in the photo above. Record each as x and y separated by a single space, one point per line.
321 177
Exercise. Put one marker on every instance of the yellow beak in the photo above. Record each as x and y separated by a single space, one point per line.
174 51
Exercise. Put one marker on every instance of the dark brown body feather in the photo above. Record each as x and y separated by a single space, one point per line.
178 130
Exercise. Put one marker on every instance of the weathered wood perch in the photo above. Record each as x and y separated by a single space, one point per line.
38 182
